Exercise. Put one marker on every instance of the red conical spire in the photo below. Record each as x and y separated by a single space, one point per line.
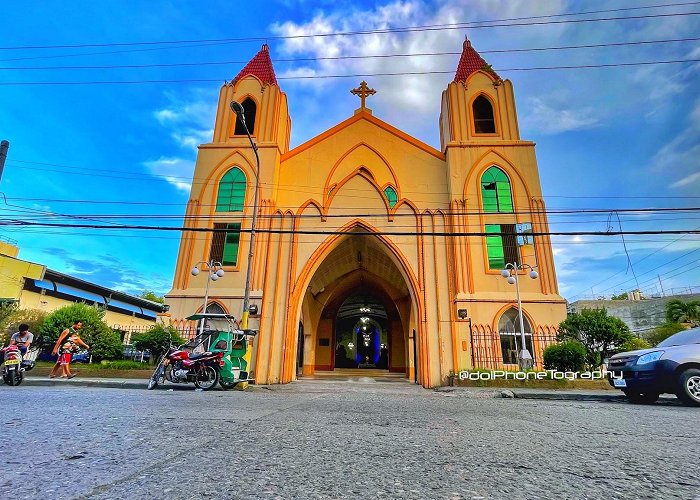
470 63
260 66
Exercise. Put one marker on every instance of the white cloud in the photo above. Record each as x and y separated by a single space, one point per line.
548 118
681 156
173 170
692 178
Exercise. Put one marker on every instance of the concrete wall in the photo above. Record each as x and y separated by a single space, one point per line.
640 315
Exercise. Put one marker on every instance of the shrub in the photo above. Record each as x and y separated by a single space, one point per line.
664 331
124 364
633 344
32 317
599 333
157 339
569 356
104 342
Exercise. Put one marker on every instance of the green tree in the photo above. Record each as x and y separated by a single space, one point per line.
664 331
152 296
32 317
569 356
157 339
622 296
599 333
104 342
678 311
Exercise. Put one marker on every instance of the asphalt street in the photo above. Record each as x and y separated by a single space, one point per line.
339 440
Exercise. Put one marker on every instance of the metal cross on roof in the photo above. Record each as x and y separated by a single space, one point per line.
363 91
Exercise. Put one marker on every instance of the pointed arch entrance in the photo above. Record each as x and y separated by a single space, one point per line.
349 278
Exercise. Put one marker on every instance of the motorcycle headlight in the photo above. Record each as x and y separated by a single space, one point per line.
649 358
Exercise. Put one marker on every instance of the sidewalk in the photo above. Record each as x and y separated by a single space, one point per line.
467 392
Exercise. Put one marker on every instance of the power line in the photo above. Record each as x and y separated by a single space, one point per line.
348 57
496 23
16 223
354 75
637 262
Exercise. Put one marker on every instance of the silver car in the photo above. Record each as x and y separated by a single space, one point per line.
673 367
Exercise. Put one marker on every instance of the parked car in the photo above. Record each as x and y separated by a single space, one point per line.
81 357
672 367
135 355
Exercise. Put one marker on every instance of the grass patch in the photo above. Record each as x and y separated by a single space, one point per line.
104 365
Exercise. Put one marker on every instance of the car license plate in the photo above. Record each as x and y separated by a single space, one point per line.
620 382
12 361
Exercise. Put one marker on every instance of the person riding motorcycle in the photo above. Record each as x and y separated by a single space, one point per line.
22 338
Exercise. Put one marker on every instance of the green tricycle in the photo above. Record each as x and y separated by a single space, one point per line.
221 335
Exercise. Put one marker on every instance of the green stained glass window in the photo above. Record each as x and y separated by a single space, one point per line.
231 243
494 247
495 191
224 247
391 196
231 194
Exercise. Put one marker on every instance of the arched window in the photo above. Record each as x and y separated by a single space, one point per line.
511 339
483 116
391 196
249 109
215 308
231 195
495 191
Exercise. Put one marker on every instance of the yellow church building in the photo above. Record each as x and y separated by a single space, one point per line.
372 248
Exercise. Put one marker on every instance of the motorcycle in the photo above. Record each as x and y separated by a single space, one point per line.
14 366
233 342
179 365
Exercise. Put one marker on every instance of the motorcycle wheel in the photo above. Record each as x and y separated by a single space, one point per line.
14 378
157 376
227 385
206 378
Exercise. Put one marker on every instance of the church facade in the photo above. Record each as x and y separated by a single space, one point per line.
373 249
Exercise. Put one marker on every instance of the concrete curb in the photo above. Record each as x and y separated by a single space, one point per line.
85 382
568 396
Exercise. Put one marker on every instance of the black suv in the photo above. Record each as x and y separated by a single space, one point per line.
673 366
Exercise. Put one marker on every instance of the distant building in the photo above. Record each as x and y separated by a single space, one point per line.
641 316
33 286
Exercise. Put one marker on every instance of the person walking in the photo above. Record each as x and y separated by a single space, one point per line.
67 342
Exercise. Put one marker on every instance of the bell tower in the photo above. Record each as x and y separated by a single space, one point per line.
224 183
478 105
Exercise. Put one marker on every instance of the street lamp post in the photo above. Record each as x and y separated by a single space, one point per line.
216 271
238 109
510 272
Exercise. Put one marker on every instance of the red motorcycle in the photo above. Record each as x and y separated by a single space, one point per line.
181 366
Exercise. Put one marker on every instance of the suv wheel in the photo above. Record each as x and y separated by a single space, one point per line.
689 387
642 399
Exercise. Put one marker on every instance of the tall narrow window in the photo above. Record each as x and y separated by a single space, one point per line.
501 248
483 116
224 245
391 196
511 339
495 191
249 109
231 195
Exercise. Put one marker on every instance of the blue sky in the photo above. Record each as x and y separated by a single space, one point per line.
607 138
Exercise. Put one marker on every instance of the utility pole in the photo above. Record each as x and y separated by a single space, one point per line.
662 286
4 146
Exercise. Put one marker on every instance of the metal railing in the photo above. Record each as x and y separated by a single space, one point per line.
487 349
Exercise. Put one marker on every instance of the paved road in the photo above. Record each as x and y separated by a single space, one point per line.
337 440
